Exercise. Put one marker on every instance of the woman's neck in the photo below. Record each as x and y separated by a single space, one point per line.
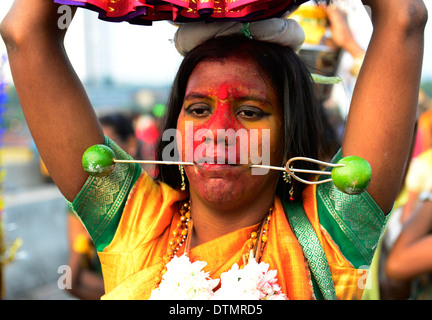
211 221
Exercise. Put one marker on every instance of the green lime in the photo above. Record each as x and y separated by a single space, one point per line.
354 177
98 160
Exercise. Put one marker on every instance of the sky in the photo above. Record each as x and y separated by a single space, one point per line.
146 55
139 54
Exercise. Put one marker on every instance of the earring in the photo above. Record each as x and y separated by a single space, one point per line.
182 174
291 193
287 178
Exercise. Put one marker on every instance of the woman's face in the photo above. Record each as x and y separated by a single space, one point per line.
224 99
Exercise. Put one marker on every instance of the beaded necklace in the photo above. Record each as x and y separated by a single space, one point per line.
255 243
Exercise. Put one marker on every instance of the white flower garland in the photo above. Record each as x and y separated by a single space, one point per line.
187 281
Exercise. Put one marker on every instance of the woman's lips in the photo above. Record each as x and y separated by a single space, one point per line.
223 160
222 155
216 166
219 167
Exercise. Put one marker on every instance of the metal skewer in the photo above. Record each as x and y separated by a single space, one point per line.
291 171
154 162
287 168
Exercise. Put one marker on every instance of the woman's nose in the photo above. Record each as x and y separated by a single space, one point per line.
222 119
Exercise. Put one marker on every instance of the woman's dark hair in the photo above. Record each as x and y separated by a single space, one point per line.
303 127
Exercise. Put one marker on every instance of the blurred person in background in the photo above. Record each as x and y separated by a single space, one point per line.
120 129
417 179
424 132
404 239
147 131
419 176
410 260
328 36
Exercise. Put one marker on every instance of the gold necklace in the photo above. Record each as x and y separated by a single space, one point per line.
255 243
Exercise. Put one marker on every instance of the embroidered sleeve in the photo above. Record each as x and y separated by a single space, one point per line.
355 222
101 200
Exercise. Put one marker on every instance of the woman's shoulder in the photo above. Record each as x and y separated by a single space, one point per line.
128 196
101 200
354 222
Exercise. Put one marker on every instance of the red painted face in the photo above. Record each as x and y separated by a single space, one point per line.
222 98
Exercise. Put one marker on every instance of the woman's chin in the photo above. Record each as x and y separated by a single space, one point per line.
219 190
227 185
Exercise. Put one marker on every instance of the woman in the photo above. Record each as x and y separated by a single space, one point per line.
120 128
135 218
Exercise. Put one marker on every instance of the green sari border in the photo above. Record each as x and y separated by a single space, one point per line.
101 200
312 250
355 222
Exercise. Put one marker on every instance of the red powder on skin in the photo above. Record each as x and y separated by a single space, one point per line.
222 118
223 92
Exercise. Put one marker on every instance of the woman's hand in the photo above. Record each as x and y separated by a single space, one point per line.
30 18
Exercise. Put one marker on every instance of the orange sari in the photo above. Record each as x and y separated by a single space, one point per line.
132 260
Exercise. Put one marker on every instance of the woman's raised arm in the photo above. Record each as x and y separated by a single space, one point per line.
383 110
57 110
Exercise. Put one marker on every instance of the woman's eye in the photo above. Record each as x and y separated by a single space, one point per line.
250 113
199 110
